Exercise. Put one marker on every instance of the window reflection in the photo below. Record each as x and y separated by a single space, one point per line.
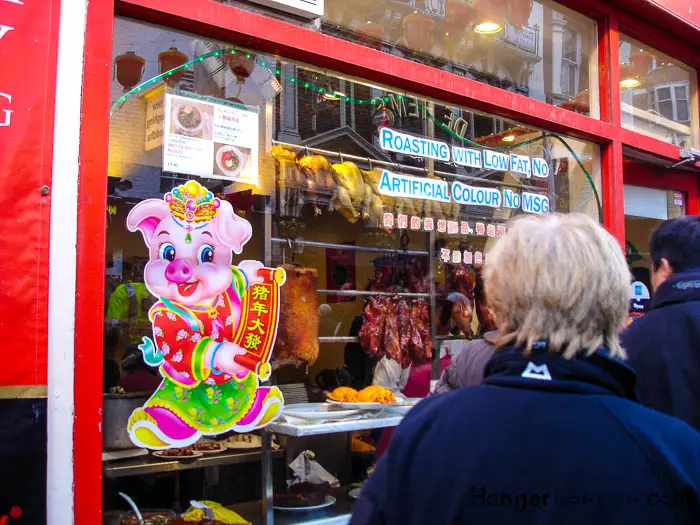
538 49
655 94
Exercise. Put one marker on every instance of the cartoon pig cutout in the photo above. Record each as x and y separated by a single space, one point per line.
210 375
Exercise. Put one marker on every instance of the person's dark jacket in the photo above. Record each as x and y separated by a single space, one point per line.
664 349
467 368
541 441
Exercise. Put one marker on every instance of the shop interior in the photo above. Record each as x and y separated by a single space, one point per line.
646 207
368 273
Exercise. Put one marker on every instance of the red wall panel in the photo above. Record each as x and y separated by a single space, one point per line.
28 42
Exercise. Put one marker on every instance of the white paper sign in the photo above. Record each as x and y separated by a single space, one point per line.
495 161
209 139
392 140
520 164
306 8
466 157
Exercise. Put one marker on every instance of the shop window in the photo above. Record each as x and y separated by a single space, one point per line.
523 46
378 203
657 94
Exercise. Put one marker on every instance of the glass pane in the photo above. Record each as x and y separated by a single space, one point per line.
666 109
645 71
645 210
570 45
681 92
517 45
663 94
356 189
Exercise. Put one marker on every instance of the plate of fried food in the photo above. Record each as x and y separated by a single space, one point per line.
180 454
304 497
371 398
209 447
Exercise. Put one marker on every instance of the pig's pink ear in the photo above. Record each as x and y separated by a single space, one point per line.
146 216
231 229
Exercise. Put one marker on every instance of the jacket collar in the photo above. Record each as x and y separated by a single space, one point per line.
598 374
679 288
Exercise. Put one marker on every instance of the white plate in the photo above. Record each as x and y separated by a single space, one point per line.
317 412
368 406
242 161
355 493
242 445
400 410
182 129
161 454
330 501
255 445
404 406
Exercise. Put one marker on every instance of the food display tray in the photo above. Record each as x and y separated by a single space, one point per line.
151 465
338 514
367 422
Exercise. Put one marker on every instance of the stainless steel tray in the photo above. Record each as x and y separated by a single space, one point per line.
365 422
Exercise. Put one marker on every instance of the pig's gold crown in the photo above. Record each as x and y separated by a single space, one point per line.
192 202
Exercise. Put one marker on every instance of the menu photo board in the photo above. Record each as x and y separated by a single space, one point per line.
211 138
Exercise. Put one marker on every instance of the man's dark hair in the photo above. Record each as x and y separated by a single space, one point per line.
677 241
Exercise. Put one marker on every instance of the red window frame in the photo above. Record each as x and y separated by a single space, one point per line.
639 19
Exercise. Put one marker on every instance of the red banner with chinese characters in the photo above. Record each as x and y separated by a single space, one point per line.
340 273
257 328
28 44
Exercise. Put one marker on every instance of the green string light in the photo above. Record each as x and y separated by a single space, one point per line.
373 101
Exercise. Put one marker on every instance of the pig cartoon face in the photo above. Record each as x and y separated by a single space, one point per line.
190 262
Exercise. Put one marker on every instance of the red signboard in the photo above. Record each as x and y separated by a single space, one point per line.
28 44
340 273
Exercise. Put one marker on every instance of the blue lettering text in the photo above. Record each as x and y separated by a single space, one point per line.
408 144
540 168
475 196
535 203
495 161
511 199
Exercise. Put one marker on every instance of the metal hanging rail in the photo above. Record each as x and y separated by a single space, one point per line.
338 339
360 293
350 339
452 338
403 167
349 247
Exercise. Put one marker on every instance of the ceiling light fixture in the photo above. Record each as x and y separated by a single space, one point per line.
508 138
487 28
630 83
628 77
